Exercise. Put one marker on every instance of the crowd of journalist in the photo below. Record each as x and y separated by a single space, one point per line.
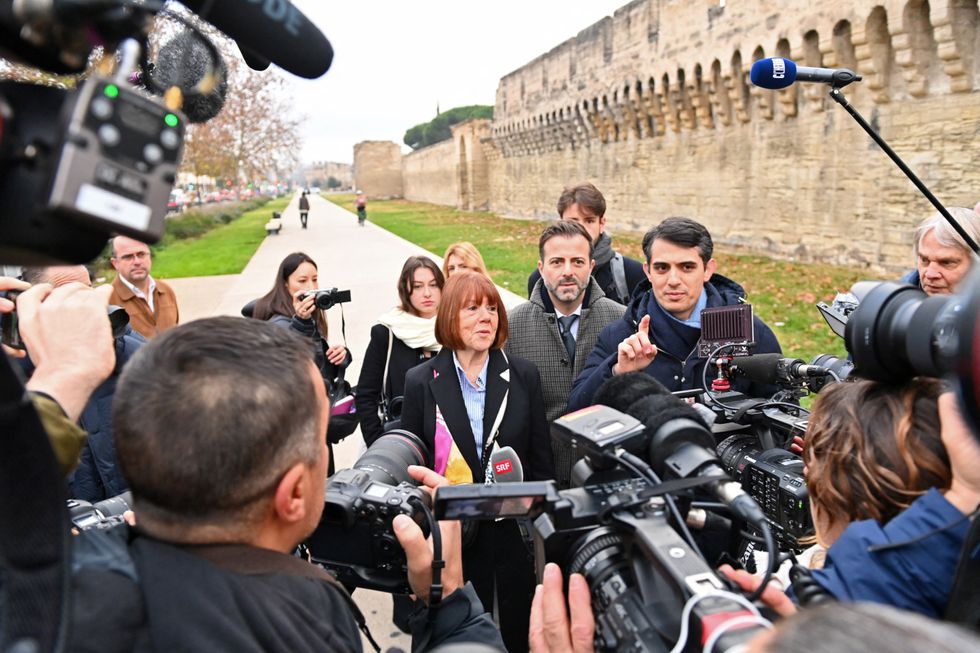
221 429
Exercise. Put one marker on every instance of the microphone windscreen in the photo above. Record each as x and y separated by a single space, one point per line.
655 411
775 73
183 62
506 466
274 32
620 392
761 368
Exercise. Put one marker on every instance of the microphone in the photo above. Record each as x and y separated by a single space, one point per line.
777 73
270 31
682 447
506 466
185 62
266 30
773 369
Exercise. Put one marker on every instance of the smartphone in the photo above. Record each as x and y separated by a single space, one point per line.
9 331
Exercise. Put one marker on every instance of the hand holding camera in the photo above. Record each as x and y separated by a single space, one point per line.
69 340
418 549
304 303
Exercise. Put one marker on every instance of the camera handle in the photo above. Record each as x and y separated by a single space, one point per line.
837 96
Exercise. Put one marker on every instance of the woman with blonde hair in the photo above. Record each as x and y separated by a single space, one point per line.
462 256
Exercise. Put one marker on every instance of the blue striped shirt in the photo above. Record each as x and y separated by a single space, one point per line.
475 399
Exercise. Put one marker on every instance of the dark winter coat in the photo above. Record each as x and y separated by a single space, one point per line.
369 385
677 365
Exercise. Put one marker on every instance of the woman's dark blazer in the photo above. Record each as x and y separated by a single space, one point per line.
523 427
368 398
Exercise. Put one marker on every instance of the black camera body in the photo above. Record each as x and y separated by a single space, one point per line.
614 529
328 298
355 539
774 478
101 515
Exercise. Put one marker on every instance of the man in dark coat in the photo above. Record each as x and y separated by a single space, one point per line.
557 329
304 208
97 476
227 461
617 275
660 330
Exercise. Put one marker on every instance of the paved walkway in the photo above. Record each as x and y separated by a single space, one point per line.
366 260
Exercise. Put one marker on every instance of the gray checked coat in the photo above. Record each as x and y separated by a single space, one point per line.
534 335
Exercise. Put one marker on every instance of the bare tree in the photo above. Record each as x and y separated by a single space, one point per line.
255 135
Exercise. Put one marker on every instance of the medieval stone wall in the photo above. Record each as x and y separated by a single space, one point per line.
429 174
654 106
378 169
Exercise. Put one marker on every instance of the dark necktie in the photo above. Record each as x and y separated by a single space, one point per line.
565 323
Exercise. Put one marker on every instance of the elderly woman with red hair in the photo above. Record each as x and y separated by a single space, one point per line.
466 402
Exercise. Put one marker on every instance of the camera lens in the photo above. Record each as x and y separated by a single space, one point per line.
899 332
387 459
735 451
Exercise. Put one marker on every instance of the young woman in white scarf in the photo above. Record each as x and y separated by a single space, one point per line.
403 338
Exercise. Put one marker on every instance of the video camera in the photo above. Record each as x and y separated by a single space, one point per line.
898 332
78 165
650 587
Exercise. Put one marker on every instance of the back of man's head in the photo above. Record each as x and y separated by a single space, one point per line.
57 275
682 232
944 233
586 196
208 416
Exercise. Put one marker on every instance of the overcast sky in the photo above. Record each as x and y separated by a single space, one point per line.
395 60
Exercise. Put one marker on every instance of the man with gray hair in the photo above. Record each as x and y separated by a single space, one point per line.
943 259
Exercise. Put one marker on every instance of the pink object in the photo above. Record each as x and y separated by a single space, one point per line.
343 407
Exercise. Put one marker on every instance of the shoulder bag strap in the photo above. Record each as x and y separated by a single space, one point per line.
384 377
618 269
491 442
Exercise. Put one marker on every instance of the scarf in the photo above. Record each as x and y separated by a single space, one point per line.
416 332
603 252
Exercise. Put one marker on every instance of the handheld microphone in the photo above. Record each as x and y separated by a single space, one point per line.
186 62
773 369
681 447
777 72
506 466
270 31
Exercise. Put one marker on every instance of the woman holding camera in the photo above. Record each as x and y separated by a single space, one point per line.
291 304
403 338
467 402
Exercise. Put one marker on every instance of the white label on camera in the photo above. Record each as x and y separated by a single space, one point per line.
113 208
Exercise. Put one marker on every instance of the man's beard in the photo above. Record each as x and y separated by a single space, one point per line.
557 291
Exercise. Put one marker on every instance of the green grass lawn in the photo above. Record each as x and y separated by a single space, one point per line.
223 250
782 293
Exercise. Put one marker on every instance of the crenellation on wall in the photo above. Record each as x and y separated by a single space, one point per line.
657 96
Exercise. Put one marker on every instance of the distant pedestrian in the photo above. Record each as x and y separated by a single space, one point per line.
361 204
304 208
